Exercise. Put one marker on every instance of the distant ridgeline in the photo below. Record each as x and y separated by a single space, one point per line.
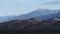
39 14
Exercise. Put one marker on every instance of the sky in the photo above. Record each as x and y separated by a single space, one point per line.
18 7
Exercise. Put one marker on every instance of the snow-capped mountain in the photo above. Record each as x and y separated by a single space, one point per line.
40 14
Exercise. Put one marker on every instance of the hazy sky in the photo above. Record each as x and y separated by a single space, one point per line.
16 7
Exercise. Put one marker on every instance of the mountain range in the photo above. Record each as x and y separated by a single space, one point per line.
40 19
39 14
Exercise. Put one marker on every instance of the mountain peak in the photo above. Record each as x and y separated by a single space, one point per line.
45 11
40 14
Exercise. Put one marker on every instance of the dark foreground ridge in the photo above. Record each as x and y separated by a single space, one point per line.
30 25
29 31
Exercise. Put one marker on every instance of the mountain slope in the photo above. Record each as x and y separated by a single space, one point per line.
31 24
41 14
6 18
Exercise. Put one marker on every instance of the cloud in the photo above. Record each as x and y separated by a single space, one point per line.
54 2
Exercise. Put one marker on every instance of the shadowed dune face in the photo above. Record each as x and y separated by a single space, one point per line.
56 19
34 21
53 23
52 20
14 21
